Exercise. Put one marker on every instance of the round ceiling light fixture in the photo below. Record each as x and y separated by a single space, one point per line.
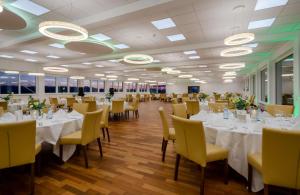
185 76
232 66
229 77
174 72
138 59
228 81
77 77
99 75
112 76
230 74
236 51
166 69
239 39
55 69
133 79
44 28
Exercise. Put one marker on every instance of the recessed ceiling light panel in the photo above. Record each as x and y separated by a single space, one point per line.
265 4
99 75
55 69
57 45
178 37
121 46
36 74
77 77
30 6
190 52
261 23
185 76
29 52
11 72
100 37
164 23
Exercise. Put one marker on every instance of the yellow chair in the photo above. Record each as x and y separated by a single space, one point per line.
134 107
17 146
184 99
192 107
88 133
283 110
222 101
82 108
195 96
217 96
191 144
117 108
168 133
138 96
54 102
179 110
92 105
251 99
4 105
174 95
174 101
217 107
279 161
88 98
185 95
70 102
104 121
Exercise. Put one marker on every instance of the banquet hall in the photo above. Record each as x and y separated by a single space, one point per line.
136 97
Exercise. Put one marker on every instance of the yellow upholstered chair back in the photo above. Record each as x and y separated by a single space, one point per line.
82 108
17 143
88 98
138 96
92 105
222 101
190 139
135 103
164 122
105 115
281 157
185 95
284 110
53 101
184 99
117 106
217 107
91 124
251 99
195 96
4 105
179 110
70 101
192 107
174 101
174 95
217 96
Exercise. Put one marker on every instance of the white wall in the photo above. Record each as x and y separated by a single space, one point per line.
235 87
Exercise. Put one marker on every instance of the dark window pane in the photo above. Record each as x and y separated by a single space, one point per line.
73 86
264 85
50 86
161 88
62 84
9 83
28 84
153 88
94 86
86 86
101 86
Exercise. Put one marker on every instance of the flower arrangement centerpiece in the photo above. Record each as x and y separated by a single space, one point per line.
36 105
203 96
7 97
240 103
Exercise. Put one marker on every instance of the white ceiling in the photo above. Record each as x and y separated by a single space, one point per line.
204 23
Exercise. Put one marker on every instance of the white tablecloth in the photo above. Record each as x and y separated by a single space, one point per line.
100 104
12 107
50 130
240 138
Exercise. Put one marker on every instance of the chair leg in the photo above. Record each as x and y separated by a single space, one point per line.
266 189
226 171
38 159
61 153
103 132
250 173
164 150
107 132
85 156
177 166
32 178
100 147
162 144
202 180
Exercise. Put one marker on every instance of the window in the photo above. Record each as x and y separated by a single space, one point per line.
115 85
62 84
264 85
101 85
86 86
94 86
50 84
28 84
120 88
253 79
284 81
161 89
73 86
153 88
143 87
9 83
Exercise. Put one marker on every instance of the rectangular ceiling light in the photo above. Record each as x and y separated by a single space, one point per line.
265 4
30 60
31 7
54 57
57 45
252 45
100 37
29 52
190 52
164 23
194 57
261 23
121 46
6 56
177 37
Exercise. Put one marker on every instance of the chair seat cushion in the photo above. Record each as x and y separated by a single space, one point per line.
171 134
38 148
255 160
215 153
72 138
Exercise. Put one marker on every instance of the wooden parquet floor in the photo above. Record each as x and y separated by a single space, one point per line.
131 166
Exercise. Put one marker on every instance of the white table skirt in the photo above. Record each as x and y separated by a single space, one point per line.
240 138
12 107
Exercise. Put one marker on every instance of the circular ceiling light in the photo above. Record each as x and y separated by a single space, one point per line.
185 76
228 81
77 77
111 76
55 69
194 79
44 28
239 39
138 59
230 74
166 69
99 75
232 66
133 79
174 72
236 51
229 77
112 79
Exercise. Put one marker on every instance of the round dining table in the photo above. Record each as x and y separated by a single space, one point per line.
240 137
50 129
